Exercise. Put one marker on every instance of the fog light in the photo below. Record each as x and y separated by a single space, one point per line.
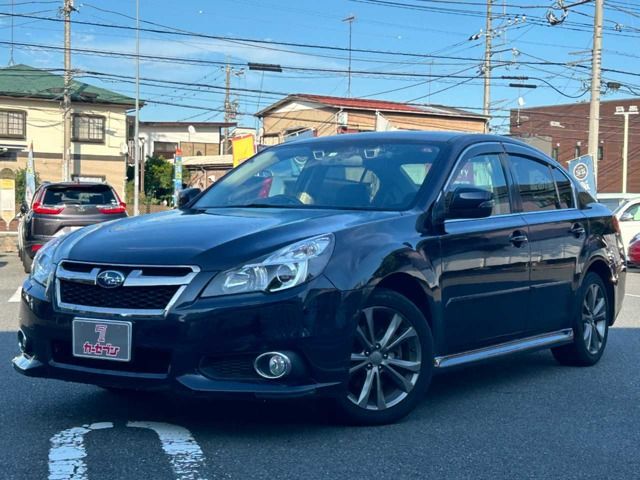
277 365
272 365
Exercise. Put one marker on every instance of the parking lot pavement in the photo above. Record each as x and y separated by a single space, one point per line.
523 417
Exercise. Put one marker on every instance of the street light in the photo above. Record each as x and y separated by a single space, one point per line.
633 110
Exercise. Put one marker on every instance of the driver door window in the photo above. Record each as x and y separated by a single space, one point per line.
485 172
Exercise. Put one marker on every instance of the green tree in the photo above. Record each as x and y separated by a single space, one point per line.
21 184
158 181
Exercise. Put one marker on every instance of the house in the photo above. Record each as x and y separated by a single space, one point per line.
31 112
566 128
161 139
317 115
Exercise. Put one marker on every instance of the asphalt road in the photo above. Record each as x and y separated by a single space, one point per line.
523 417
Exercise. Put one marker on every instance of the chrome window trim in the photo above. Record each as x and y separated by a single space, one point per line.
138 280
502 215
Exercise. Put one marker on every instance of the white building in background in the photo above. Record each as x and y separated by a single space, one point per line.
193 138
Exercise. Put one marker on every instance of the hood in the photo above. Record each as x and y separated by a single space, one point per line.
211 239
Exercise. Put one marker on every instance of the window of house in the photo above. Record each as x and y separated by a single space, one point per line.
13 124
88 128
165 150
535 183
483 171
600 152
576 152
555 153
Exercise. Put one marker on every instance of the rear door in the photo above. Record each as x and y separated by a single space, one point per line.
485 278
557 235
67 207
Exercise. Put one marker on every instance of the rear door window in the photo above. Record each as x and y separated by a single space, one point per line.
565 189
535 183
79 195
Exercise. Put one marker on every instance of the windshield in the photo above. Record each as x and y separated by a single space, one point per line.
343 175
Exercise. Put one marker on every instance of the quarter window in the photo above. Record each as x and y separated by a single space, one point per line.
565 190
484 171
535 184
88 128
13 124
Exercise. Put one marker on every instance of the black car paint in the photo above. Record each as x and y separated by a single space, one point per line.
413 251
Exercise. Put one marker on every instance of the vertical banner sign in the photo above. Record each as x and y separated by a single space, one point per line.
177 176
582 169
7 196
30 177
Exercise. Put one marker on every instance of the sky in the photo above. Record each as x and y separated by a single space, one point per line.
435 58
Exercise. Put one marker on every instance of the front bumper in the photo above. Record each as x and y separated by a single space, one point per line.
206 345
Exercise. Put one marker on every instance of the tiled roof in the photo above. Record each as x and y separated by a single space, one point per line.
23 81
368 104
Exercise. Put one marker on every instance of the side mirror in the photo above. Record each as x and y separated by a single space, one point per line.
187 195
626 217
24 208
470 202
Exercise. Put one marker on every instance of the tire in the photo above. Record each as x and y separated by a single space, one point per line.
27 261
400 334
587 350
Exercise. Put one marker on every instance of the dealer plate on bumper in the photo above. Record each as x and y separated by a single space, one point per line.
102 339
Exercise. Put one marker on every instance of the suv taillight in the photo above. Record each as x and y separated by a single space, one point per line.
46 210
120 208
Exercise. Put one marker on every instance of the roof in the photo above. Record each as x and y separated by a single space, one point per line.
187 124
439 136
375 105
585 103
23 81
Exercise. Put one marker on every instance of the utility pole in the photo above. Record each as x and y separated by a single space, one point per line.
350 19
230 108
136 165
633 110
11 61
227 107
486 110
596 67
66 99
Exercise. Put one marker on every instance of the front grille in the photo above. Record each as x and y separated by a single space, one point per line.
154 297
146 289
143 360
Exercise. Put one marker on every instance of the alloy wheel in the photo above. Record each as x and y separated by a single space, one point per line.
386 359
594 318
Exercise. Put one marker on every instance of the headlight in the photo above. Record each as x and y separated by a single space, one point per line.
286 268
42 265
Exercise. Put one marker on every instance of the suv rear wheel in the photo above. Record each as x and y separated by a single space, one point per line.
591 325
391 361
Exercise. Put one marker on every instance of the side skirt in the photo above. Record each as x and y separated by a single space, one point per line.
545 340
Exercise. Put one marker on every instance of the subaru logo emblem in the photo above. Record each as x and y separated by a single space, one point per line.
110 279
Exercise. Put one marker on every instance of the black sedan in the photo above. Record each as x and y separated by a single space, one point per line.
350 267
60 208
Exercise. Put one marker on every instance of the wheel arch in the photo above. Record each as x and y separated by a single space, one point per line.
600 267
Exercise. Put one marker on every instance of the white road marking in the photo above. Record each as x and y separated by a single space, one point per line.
632 295
184 453
66 456
15 298
67 453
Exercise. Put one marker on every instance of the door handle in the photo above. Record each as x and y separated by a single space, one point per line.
577 230
518 238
